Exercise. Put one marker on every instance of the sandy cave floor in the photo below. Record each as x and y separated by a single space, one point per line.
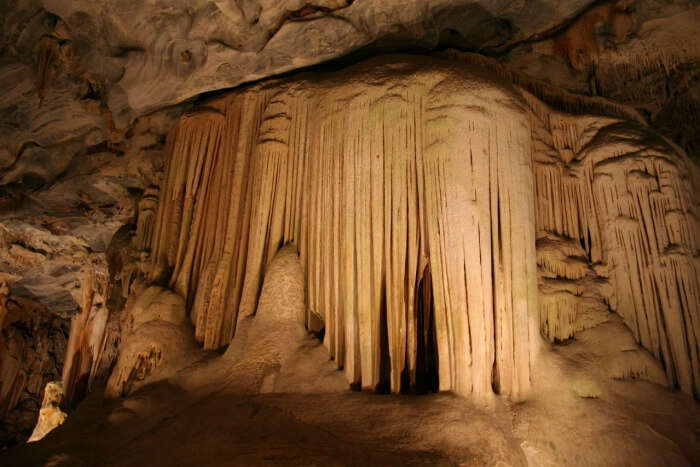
575 417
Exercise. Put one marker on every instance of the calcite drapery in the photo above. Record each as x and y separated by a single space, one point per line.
374 174
402 172
627 196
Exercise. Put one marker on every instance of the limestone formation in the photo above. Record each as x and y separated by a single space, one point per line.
86 341
370 196
402 179
50 415
628 197
47 238
493 199
277 327
32 350
154 331
130 49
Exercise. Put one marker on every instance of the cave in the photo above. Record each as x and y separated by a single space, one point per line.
349 232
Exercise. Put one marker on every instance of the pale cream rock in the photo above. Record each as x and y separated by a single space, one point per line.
372 178
50 414
154 332
381 169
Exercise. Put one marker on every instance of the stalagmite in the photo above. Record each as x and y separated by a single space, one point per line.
32 347
276 330
422 232
84 343
50 415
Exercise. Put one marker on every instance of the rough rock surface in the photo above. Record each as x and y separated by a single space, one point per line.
641 423
108 61
130 48
156 331
204 403
90 89
32 350
52 240
277 327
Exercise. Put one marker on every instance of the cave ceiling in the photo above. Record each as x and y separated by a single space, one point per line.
114 61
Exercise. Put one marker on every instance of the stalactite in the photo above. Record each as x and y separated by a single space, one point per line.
49 61
85 342
372 179
626 196
393 171
572 297
147 209
32 346
578 45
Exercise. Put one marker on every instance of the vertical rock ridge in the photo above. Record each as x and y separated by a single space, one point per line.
625 195
372 181
397 169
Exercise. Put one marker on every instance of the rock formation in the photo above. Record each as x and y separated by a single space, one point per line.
276 330
628 196
32 350
402 179
508 207
155 331
50 415
52 241
407 176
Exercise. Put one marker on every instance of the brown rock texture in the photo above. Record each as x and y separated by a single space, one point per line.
156 331
32 349
628 197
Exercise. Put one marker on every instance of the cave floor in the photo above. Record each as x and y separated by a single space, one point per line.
574 417
162 425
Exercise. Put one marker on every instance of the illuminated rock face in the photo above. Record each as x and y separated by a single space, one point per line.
154 332
416 191
617 226
50 415
380 175
81 156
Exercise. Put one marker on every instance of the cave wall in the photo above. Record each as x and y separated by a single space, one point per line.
32 349
69 234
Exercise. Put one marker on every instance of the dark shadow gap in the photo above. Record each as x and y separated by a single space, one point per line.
427 375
